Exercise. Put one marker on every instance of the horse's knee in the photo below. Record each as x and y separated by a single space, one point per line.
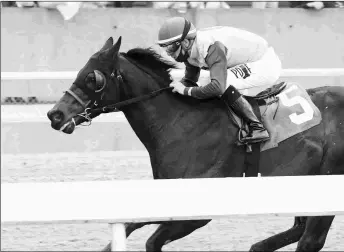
310 244
316 232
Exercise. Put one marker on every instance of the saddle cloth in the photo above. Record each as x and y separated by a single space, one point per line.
284 113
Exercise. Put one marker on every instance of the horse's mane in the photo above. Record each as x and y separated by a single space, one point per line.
150 58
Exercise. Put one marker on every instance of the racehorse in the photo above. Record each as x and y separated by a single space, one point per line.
191 138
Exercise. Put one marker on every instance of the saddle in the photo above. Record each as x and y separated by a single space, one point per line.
269 92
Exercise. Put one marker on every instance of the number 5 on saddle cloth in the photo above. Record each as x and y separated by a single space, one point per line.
285 110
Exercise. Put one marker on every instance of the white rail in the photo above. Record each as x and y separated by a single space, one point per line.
70 75
162 200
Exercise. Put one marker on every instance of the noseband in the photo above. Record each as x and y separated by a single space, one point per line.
115 75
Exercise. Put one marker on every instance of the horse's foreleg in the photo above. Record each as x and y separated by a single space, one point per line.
282 239
129 228
171 231
314 237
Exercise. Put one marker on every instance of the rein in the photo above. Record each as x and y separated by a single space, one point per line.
115 107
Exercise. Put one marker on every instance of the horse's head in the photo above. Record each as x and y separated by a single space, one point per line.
93 88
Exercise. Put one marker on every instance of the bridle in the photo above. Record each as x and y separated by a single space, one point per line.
116 107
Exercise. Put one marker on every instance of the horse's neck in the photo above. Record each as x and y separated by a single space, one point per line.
148 117
150 121
163 120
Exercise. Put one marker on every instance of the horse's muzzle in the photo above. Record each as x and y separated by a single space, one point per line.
56 117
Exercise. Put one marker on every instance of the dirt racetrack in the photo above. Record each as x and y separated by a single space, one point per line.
230 234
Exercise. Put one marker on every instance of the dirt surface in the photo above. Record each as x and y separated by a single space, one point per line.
221 234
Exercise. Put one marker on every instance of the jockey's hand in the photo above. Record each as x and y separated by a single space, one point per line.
177 87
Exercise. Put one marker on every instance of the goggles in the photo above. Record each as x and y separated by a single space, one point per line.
171 48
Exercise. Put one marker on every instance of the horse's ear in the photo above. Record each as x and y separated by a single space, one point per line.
107 44
115 48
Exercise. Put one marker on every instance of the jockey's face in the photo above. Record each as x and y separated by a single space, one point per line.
187 44
176 53
178 48
185 51
180 51
172 48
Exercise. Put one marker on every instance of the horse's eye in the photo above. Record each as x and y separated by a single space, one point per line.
99 85
95 81
100 80
91 81
91 78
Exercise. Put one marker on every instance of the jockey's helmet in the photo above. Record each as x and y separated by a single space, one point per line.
173 31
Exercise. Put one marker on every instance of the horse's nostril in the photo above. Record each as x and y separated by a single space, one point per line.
56 116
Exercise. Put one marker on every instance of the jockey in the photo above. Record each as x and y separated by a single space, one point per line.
236 59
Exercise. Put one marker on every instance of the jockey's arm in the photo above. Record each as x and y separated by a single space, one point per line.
192 73
217 63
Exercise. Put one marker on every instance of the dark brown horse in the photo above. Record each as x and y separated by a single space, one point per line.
191 138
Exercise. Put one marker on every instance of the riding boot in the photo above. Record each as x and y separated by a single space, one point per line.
257 132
